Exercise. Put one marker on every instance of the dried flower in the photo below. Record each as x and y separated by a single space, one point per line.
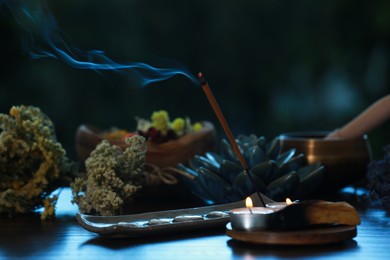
49 207
379 178
178 125
33 163
112 177
142 124
160 121
197 127
160 129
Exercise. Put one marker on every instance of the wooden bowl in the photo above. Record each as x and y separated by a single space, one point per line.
163 155
345 160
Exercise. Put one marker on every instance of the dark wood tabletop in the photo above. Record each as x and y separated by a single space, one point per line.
28 237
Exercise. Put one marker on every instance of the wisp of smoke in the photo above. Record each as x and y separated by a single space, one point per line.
42 39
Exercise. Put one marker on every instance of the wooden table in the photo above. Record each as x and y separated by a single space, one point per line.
28 237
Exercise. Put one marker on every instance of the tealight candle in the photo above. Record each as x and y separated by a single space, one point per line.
280 205
254 218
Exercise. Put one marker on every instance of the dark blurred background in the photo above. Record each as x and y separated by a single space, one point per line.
274 66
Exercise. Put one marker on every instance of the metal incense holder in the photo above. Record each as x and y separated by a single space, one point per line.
298 215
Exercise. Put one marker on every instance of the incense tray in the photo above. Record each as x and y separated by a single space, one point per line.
163 222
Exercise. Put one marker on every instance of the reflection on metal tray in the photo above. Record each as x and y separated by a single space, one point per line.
162 222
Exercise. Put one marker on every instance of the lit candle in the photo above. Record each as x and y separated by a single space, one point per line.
254 218
280 205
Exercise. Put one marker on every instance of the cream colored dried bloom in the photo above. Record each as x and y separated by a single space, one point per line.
112 177
142 124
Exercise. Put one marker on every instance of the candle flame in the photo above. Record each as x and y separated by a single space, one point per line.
248 203
288 201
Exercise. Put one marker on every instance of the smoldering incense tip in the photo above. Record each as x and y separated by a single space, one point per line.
201 78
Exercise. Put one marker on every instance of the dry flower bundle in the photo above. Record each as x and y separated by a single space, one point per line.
378 176
112 176
33 163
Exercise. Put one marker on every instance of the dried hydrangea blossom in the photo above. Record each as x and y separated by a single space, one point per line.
33 163
112 177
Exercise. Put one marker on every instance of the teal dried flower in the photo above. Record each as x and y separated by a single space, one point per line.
220 178
33 163
112 177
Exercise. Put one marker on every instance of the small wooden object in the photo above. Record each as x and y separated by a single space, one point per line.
339 213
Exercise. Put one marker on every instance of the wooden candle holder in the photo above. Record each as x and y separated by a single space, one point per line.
302 223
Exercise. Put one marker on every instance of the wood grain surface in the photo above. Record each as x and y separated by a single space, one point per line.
27 237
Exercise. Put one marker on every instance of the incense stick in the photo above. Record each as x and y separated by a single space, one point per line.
226 128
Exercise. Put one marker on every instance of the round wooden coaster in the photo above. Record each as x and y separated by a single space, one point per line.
320 235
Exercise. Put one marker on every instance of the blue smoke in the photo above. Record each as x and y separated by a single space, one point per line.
42 39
